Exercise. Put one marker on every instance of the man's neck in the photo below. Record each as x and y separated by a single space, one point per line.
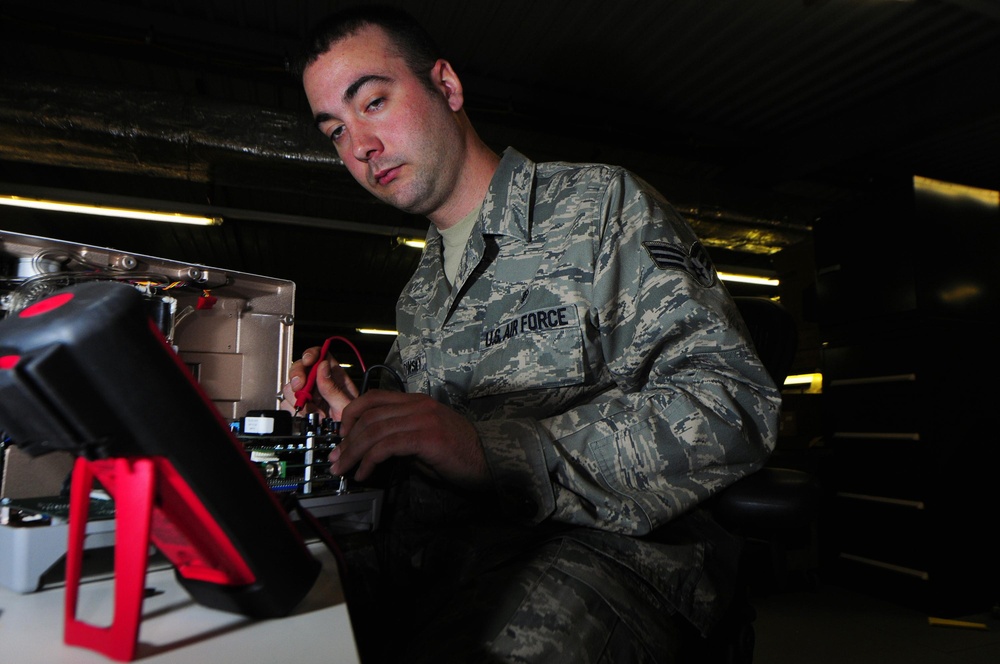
481 164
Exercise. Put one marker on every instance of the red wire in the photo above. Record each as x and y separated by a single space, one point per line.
305 394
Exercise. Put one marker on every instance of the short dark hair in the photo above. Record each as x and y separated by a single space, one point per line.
411 40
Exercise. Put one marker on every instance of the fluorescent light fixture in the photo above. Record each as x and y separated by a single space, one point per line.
749 279
988 196
375 330
107 211
811 382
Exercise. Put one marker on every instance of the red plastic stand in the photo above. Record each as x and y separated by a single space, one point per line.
135 481
161 468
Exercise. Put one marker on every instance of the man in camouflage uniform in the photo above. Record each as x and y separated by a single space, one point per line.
577 383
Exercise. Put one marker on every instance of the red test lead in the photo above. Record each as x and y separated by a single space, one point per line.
303 396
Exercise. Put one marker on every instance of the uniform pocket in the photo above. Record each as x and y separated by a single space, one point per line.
529 351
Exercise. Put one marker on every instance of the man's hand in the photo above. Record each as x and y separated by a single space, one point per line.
331 393
380 424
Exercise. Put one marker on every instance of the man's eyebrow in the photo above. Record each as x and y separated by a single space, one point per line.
320 118
350 93
362 81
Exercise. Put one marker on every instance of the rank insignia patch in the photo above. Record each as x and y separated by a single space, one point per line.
695 261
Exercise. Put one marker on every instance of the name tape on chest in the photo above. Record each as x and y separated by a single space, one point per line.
414 365
531 322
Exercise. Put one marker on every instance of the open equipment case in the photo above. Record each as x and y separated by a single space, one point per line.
159 380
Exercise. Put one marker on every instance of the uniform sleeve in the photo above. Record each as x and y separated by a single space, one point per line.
688 408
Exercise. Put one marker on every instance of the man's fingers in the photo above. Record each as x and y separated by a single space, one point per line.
369 402
368 451
335 387
376 426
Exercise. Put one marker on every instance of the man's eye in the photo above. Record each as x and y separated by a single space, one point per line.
376 104
336 133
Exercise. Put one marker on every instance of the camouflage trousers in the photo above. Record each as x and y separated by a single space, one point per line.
560 602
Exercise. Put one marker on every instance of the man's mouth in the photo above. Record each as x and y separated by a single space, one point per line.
385 175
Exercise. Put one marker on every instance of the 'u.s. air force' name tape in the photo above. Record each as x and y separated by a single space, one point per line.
540 320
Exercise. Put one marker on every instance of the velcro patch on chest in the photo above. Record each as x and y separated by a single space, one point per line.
695 261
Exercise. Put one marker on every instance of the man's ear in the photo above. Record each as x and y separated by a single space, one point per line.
447 82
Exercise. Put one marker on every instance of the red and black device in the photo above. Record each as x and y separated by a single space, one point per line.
87 370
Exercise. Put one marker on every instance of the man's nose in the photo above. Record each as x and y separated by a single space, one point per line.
366 145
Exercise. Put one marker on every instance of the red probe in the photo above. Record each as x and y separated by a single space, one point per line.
304 395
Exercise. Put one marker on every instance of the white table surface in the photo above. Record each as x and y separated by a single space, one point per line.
176 629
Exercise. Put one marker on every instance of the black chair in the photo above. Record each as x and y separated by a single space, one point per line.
773 331
777 506
771 509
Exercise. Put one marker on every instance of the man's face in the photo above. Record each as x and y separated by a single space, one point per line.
399 139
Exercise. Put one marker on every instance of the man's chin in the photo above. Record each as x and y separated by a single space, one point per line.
405 205
395 195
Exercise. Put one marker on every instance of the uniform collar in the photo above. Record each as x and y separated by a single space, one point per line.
506 209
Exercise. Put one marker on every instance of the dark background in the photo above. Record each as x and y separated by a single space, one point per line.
756 118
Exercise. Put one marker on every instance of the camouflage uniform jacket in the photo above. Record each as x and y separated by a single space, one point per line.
589 339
